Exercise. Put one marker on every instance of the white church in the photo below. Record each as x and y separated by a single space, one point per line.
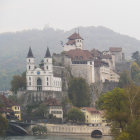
41 78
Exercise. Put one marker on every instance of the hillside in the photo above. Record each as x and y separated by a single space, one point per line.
14 46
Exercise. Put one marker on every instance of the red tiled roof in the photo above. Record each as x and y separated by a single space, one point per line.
75 36
79 54
91 110
70 42
52 102
115 49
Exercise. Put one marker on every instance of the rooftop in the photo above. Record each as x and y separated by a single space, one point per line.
91 110
75 36
79 54
52 102
115 49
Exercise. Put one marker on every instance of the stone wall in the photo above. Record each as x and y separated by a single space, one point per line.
75 129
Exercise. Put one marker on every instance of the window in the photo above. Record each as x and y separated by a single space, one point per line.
29 60
47 78
90 63
29 83
47 60
15 107
47 67
29 67
47 83
29 78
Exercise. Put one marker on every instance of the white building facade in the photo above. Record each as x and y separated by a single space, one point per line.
41 78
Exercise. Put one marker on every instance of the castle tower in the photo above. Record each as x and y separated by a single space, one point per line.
48 61
75 41
30 61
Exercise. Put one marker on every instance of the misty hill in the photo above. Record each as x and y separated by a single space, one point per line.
14 46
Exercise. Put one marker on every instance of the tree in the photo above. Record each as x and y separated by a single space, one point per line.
76 115
123 110
136 57
114 103
18 82
3 125
125 79
78 92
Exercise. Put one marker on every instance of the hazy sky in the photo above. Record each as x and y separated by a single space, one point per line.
122 16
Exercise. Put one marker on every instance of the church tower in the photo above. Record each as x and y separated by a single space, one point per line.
48 61
30 61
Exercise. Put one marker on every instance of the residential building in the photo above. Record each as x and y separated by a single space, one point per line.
93 116
9 107
54 108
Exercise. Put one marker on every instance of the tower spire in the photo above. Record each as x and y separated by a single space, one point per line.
47 53
30 54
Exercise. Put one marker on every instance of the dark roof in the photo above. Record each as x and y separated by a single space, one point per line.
115 49
79 54
75 36
96 53
99 63
30 54
47 53
71 42
6 102
52 102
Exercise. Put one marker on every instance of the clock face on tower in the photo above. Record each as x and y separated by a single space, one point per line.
38 73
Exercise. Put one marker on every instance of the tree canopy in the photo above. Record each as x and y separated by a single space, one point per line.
78 92
18 82
76 115
122 108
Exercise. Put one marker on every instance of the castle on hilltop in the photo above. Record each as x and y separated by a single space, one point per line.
92 65
41 78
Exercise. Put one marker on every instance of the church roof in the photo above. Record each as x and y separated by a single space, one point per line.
30 54
75 36
47 53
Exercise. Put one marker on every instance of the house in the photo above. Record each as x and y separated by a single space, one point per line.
9 107
54 108
93 116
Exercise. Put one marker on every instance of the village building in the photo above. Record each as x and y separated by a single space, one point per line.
54 108
9 108
41 78
93 116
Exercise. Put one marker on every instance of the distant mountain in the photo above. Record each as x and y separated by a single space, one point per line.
14 46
